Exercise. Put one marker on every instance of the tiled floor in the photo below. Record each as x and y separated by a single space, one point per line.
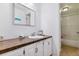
69 51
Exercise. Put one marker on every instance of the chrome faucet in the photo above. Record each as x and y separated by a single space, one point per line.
33 34
40 32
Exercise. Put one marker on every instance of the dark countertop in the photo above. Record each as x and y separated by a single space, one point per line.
11 44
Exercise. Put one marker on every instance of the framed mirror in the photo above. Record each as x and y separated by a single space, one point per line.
23 15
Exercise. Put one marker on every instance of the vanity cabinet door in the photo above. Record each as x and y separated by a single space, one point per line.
48 47
25 52
16 52
30 50
39 49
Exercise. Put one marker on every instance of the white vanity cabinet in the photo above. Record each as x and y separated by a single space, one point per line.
48 47
35 49
16 52
30 50
40 48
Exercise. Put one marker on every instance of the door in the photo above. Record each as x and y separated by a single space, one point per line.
30 50
39 49
48 47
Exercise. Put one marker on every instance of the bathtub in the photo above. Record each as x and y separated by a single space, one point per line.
73 43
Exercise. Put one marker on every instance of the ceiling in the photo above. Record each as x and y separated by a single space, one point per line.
70 5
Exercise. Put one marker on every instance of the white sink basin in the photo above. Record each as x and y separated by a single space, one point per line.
35 36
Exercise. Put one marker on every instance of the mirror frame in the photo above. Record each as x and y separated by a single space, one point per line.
13 22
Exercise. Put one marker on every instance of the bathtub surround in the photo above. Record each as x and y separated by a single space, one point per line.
70 21
70 24
72 43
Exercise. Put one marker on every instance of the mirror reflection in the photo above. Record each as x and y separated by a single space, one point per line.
23 15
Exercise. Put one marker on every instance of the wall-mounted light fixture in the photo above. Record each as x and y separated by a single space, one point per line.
65 9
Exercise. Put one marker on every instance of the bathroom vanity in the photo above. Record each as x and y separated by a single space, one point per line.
27 47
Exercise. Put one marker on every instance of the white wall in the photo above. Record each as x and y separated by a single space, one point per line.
8 30
5 19
51 24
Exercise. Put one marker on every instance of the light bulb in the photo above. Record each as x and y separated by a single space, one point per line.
65 8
